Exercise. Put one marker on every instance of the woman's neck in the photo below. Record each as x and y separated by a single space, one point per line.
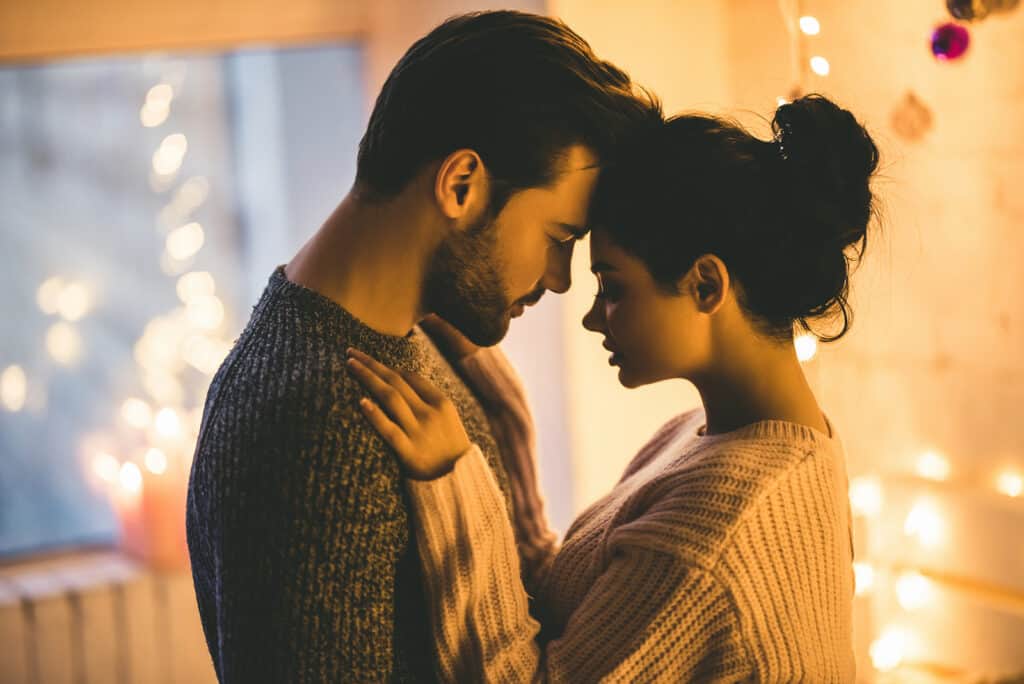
765 382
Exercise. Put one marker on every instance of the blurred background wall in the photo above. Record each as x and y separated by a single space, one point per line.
124 126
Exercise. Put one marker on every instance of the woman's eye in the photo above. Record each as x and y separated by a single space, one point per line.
605 291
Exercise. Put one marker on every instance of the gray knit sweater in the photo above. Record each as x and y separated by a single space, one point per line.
304 566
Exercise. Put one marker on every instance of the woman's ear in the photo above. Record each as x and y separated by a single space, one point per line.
708 282
460 187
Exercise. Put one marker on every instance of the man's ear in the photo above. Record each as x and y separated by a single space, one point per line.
460 188
708 281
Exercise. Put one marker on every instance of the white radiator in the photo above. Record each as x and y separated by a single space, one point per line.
97 617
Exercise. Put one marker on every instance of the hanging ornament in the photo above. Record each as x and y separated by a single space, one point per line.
950 41
976 10
912 118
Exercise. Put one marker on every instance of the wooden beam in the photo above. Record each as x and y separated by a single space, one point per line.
39 30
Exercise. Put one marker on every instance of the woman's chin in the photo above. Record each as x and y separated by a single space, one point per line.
626 379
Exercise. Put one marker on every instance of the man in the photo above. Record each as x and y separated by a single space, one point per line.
473 183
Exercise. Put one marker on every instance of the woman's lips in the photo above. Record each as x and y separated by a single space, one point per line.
616 358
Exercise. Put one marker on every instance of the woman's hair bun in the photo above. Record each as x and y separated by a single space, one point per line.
829 159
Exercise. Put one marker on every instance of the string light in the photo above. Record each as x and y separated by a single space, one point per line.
13 388
806 346
136 413
167 423
130 477
933 466
820 65
156 461
74 301
205 311
810 26
914 590
158 105
64 343
888 651
105 466
168 157
864 578
195 284
866 496
185 241
924 523
1010 483
48 294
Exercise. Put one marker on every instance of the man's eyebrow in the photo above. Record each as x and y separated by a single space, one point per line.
599 266
579 232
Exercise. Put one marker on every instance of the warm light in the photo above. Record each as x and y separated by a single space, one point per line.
914 590
136 413
888 650
13 388
185 241
74 302
924 522
156 461
63 343
195 284
205 354
160 95
163 387
152 115
105 466
1010 483
206 312
866 496
167 423
779 101
130 477
864 578
933 466
192 193
48 294
810 26
820 66
806 346
168 157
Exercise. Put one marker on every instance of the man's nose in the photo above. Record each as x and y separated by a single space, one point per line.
558 276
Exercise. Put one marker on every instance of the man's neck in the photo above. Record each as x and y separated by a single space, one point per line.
371 260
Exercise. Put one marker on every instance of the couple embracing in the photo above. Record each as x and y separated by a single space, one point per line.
363 503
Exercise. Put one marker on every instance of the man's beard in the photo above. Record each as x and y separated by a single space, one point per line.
464 284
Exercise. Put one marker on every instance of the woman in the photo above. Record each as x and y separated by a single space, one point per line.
724 552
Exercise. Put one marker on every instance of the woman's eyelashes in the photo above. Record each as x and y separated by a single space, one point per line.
606 291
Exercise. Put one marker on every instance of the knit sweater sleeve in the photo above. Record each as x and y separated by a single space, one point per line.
305 520
648 616
502 396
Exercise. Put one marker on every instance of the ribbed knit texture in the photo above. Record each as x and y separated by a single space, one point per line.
716 558
304 565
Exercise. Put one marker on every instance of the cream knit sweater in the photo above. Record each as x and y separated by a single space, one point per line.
716 558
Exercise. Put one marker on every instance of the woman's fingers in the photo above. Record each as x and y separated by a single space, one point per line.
389 431
387 396
389 376
424 388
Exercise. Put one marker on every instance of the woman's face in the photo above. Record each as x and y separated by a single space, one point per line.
649 334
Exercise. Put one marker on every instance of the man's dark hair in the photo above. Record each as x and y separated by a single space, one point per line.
517 88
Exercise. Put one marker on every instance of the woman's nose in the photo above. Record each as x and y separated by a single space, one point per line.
593 320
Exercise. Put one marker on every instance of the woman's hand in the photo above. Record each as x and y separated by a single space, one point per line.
449 340
418 421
